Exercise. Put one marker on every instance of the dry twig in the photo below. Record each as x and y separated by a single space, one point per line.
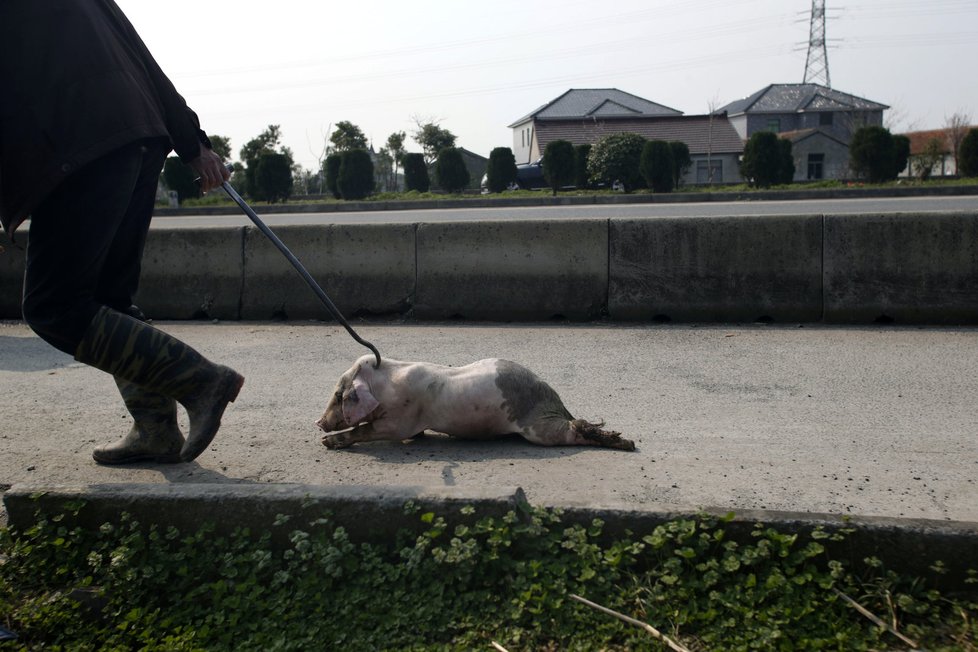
864 611
631 621
499 647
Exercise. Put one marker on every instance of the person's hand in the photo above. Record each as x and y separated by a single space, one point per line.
210 169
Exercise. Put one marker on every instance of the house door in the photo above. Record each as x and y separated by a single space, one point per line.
816 166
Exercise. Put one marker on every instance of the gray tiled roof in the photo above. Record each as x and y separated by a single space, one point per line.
789 98
694 130
602 102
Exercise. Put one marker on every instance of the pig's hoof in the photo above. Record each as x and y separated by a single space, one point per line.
333 442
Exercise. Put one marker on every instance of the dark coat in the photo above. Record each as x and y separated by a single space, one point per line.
76 82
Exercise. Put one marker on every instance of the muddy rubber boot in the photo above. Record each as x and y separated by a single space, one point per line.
155 435
129 349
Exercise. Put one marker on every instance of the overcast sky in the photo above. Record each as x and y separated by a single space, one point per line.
475 67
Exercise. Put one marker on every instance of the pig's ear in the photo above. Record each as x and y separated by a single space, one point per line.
358 402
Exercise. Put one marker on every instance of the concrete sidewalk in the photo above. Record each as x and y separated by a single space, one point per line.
862 421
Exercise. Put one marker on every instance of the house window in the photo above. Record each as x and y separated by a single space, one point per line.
816 166
703 171
825 119
774 124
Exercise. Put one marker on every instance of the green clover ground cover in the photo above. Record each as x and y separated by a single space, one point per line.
456 587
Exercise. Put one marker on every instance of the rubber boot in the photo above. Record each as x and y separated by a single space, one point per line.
129 349
155 435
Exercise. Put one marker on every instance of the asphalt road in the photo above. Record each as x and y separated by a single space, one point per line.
844 420
802 207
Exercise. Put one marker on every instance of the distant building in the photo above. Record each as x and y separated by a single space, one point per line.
585 116
934 144
817 119
818 154
476 165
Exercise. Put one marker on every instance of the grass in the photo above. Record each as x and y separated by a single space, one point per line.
219 199
459 587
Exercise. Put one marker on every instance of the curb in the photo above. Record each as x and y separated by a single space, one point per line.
907 546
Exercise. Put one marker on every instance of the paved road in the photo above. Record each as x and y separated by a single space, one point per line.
805 207
869 421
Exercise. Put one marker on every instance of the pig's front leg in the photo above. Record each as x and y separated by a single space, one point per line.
362 432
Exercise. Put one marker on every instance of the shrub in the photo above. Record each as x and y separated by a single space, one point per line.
786 162
657 165
616 158
872 154
356 176
681 161
558 164
180 177
968 154
273 177
501 170
580 165
415 173
759 165
901 154
333 174
762 166
450 169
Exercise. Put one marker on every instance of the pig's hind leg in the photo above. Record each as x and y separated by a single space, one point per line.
575 432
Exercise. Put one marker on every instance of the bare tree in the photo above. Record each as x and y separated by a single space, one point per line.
714 102
321 156
956 127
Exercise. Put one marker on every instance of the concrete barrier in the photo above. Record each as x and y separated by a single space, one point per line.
912 268
12 274
526 270
716 269
903 268
366 269
192 274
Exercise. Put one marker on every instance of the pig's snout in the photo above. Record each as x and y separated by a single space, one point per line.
332 419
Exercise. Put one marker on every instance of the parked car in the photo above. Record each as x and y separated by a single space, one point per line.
529 176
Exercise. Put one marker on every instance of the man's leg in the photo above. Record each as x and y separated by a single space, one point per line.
73 234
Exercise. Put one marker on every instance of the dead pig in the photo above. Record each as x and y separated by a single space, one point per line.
483 400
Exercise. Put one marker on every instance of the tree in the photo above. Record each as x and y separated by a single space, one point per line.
273 177
616 158
762 162
786 162
925 162
558 164
450 170
657 165
267 141
347 136
580 166
222 147
681 161
969 154
957 127
332 173
501 170
356 175
872 154
415 173
432 139
180 178
395 148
